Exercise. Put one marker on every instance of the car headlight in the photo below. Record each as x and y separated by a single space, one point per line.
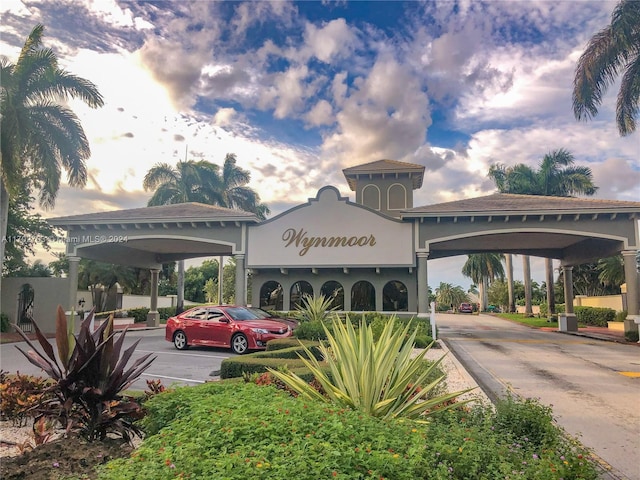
260 330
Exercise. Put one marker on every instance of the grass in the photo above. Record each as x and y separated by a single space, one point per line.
529 321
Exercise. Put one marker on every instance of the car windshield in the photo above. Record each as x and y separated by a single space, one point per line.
261 313
238 313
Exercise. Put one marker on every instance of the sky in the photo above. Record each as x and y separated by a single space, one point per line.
300 90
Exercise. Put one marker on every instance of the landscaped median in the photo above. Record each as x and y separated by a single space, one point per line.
373 411
241 430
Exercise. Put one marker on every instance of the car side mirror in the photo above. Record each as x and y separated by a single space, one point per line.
224 320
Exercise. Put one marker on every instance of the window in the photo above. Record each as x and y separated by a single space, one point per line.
271 296
371 197
363 296
397 197
333 291
395 297
298 290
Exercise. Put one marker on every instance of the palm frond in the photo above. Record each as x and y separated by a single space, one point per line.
628 101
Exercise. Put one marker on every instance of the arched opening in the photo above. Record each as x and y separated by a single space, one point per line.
371 196
26 298
271 296
395 297
333 291
298 290
363 296
397 196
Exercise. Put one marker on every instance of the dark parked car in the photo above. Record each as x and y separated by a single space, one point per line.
465 308
228 326
292 322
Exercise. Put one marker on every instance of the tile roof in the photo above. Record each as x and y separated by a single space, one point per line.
163 213
510 203
384 167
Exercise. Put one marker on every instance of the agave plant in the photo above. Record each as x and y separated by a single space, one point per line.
381 378
314 308
90 376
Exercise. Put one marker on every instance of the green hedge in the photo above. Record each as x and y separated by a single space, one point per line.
234 367
238 431
140 314
544 309
596 317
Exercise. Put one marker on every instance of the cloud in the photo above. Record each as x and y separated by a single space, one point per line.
385 115
320 114
182 78
334 39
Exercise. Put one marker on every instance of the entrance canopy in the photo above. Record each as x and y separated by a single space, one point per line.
148 237
573 230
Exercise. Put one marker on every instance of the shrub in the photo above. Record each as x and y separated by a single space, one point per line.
631 336
526 421
378 378
242 430
5 324
89 375
139 314
597 317
20 394
310 331
166 312
235 367
314 309
621 316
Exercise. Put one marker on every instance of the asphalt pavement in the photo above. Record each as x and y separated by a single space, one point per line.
592 385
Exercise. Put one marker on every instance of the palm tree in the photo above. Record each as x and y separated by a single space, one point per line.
40 135
482 268
189 181
611 270
202 181
556 176
447 294
612 51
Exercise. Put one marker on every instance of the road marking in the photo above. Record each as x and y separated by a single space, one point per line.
182 354
191 380
630 374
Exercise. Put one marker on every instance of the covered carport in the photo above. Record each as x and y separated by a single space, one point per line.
572 230
148 237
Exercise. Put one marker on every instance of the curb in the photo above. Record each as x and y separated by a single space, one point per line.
479 393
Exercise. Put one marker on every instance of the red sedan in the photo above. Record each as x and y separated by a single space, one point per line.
223 326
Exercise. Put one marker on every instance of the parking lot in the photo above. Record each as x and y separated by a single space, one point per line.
189 367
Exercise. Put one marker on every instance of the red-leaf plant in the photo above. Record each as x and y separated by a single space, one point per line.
90 375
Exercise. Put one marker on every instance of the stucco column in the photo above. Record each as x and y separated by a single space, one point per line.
286 295
153 317
73 283
241 275
567 273
423 288
633 294
567 322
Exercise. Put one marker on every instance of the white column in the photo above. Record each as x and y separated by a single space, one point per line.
241 293
567 322
73 283
423 288
568 288
153 317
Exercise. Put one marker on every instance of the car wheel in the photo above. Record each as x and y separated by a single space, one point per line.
180 340
239 344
